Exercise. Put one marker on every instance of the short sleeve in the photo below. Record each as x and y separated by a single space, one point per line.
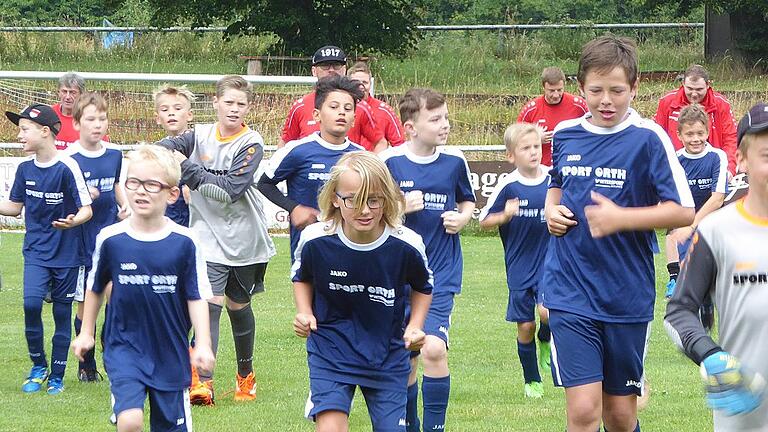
18 190
100 273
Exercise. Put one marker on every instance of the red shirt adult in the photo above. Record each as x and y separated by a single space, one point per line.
300 122
547 116
722 126
386 121
67 135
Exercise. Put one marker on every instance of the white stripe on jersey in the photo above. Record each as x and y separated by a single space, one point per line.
722 176
514 176
555 364
82 189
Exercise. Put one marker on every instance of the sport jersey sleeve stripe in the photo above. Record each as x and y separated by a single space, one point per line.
678 174
82 195
721 182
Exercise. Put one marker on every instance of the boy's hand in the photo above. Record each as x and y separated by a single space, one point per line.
546 137
64 223
81 345
559 219
301 216
604 217
681 235
511 209
94 192
203 358
454 221
179 156
123 212
414 338
414 201
303 324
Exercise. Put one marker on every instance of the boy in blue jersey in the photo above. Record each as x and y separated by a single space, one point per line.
304 164
706 169
351 282
159 291
516 207
51 189
439 202
101 163
615 178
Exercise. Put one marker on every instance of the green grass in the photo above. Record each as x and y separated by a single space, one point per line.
487 379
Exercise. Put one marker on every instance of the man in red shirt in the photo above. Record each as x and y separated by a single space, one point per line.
384 116
329 60
554 106
696 89
71 86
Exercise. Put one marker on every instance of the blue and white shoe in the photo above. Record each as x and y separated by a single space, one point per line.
35 380
670 288
55 386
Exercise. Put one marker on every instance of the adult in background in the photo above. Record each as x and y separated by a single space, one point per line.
696 89
71 86
383 114
549 109
328 61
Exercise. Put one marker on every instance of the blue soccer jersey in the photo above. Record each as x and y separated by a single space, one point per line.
305 165
706 172
443 178
612 278
153 276
525 236
359 298
101 170
51 191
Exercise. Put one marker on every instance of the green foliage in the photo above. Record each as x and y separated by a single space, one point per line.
53 12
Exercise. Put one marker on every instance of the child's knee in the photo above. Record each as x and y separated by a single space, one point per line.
584 411
434 350
525 331
331 421
131 420
620 417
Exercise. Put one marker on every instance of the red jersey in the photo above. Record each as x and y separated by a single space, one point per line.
300 122
722 125
387 122
547 116
67 135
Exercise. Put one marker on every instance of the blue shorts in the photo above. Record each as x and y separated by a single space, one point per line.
169 411
521 305
386 407
586 351
62 282
438 321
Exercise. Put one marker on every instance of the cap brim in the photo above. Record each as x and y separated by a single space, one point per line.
13 117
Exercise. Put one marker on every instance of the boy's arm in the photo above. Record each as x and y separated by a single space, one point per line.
10 208
85 340
202 357
454 221
184 143
492 220
273 193
713 203
304 322
229 187
82 216
414 334
559 217
606 218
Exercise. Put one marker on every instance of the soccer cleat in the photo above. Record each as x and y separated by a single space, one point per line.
534 389
544 355
55 386
195 376
89 376
670 289
246 388
35 380
202 394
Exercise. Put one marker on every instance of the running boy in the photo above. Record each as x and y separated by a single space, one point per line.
615 178
439 202
159 288
101 163
218 163
51 189
516 207
355 335
305 164
727 260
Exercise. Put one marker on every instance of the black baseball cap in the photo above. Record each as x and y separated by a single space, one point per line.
754 121
329 54
41 114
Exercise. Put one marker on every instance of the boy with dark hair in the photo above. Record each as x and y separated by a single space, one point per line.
615 178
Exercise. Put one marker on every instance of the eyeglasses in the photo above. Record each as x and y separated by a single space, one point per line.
328 66
151 186
373 203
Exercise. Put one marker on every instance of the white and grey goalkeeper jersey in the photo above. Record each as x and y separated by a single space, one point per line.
226 211
729 257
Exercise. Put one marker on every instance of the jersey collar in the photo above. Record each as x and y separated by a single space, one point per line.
362 247
632 118
330 146
685 154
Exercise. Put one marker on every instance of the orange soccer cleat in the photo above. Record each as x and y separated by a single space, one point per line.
202 393
246 387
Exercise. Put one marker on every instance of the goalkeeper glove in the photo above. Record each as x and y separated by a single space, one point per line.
729 387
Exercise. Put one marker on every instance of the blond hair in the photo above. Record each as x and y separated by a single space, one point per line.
160 156
84 101
234 82
516 131
691 114
748 139
167 89
375 177
359 67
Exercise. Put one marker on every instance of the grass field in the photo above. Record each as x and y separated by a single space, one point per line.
487 379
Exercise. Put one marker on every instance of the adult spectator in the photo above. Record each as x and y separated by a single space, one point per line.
696 89
329 60
549 109
71 86
383 115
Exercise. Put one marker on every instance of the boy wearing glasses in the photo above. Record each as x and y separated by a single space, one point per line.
159 288
329 61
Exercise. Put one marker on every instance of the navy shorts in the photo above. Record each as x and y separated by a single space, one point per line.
521 305
62 282
586 351
169 411
438 320
238 283
386 407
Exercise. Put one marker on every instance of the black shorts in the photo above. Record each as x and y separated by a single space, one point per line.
238 283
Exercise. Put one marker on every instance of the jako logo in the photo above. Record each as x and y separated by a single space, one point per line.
572 158
633 383
128 266
338 273
406 183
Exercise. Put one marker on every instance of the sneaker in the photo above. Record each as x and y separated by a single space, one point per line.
195 376
202 393
55 386
246 388
35 380
670 289
89 376
544 355
534 389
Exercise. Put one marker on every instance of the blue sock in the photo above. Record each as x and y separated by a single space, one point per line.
435 392
412 423
33 330
527 353
544 334
62 335
89 361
